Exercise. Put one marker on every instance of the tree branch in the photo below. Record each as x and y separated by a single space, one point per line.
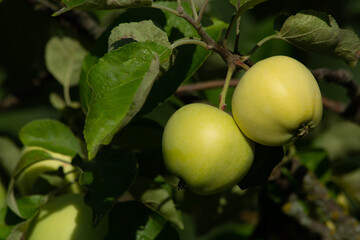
344 79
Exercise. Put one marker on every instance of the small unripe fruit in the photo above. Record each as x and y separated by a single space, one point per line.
28 177
63 218
204 147
276 101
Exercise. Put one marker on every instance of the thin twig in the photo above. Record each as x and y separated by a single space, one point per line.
202 10
193 8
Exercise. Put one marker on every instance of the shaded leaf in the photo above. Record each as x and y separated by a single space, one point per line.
101 4
120 81
318 32
2 195
161 200
266 158
5 229
132 220
57 101
188 60
348 47
340 140
19 230
106 178
51 135
63 58
28 159
139 32
29 205
245 5
317 161
9 155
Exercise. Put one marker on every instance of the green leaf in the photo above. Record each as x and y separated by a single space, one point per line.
29 205
19 230
101 47
106 178
51 135
340 140
246 4
2 195
266 158
137 31
5 229
9 155
318 32
159 199
63 58
28 159
311 30
132 220
101 4
120 81
317 161
348 47
188 60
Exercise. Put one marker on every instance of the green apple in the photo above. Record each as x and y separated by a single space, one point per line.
276 101
66 217
28 177
204 147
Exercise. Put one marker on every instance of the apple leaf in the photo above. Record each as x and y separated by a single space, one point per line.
28 205
188 60
9 155
137 31
101 4
29 158
120 81
18 232
5 229
101 47
51 135
245 5
318 32
63 58
106 178
160 200
132 220
265 159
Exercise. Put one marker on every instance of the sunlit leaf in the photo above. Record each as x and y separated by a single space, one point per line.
51 135
120 81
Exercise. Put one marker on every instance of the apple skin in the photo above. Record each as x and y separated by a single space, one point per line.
275 100
204 147
66 217
28 177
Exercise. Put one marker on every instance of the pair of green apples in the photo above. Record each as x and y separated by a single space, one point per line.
276 101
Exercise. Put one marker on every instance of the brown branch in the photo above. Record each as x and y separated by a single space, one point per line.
226 54
343 78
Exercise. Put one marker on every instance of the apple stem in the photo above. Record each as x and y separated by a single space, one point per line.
223 93
303 131
182 185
